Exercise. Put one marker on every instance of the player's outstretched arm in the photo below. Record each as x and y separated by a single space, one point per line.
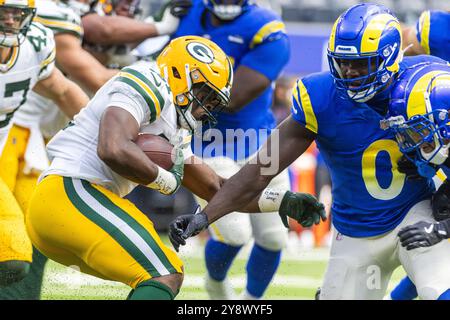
283 147
65 93
79 64
111 30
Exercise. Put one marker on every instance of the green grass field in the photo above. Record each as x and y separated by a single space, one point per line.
298 277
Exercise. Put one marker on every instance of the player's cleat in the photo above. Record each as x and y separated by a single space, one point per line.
219 290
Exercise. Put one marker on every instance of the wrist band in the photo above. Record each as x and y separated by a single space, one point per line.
270 200
165 182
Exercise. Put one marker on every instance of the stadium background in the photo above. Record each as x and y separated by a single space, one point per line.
304 261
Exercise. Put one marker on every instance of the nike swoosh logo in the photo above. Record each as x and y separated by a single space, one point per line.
429 229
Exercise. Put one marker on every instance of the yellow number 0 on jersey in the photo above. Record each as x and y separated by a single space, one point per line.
369 170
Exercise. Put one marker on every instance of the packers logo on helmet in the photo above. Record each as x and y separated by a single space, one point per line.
200 52
198 73
366 37
16 17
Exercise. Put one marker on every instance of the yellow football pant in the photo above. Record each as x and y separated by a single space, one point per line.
86 226
15 191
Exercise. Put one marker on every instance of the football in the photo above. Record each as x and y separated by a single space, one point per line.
157 149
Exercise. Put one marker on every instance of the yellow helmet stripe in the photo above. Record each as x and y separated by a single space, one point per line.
301 96
424 29
373 31
31 3
333 36
265 31
416 103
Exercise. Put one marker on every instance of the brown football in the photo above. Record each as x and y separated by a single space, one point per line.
157 149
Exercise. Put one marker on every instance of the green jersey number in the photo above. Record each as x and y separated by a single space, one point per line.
10 89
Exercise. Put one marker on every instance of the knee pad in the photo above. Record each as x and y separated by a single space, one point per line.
232 230
13 271
272 239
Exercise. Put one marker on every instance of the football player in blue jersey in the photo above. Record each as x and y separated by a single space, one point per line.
428 36
419 117
255 40
372 200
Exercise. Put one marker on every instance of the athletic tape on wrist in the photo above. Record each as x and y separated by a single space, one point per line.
165 182
270 200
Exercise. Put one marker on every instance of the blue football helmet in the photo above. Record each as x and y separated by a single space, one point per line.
369 36
418 109
227 10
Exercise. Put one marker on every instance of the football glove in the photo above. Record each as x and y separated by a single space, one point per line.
303 208
423 234
186 226
440 202
408 168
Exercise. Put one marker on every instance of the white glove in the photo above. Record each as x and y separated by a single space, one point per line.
168 24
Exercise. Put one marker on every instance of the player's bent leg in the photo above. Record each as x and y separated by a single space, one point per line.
427 267
405 290
270 238
359 268
161 288
228 235
15 245
30 287
109 236
13 271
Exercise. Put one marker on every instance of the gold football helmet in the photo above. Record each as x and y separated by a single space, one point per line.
199 74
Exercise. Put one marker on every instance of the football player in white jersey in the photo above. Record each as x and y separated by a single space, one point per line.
27 54
77 215
39 118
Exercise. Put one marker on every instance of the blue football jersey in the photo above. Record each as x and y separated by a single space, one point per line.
433 33
370 196
257 40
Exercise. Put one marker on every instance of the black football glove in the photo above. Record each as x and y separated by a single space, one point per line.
408 168
303 208
186 226
180 8
423 234
440 202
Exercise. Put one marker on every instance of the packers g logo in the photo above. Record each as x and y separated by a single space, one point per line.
200 52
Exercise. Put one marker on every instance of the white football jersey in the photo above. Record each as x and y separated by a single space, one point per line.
141 91
61 19
29 63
